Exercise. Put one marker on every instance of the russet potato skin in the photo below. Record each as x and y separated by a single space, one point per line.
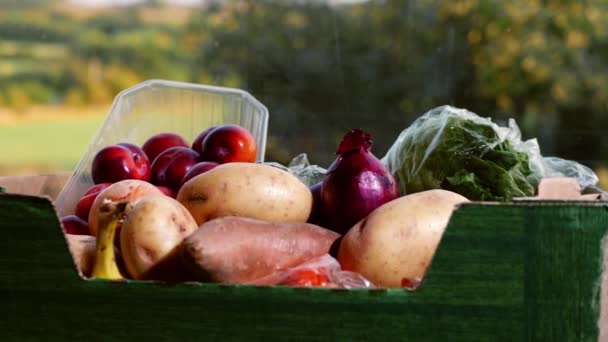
393 246
251 190
151 231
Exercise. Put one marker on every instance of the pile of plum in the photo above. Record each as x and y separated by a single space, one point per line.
166 160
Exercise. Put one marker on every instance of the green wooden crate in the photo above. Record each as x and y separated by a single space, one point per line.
524 271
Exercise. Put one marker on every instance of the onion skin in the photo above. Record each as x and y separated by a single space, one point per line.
316 216
355 184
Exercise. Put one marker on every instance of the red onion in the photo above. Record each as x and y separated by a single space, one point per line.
315 214
355 184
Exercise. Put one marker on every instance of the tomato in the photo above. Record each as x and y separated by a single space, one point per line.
308 277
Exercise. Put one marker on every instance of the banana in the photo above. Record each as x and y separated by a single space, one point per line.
105 259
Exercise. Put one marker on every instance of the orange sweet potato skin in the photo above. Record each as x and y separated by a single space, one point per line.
239 250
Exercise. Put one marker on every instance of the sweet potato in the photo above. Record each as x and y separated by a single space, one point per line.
240 250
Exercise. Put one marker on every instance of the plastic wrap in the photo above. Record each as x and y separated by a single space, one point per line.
157 106
557 167
323 271
300 167
458 150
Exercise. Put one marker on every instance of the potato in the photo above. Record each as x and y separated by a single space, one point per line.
150 233
131 190
394 244
251 190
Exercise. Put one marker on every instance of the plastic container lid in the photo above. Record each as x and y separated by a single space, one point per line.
157 106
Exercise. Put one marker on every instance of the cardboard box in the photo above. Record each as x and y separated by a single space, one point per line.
522 271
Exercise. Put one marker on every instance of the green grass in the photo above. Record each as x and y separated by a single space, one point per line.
53 145
39 50
10 66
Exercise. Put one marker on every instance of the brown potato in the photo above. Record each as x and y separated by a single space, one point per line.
151 231
393 246
131 190
250 190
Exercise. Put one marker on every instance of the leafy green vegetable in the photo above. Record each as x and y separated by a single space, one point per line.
456 150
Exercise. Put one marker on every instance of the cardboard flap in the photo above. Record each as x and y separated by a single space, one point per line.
39 185
33 243
603 319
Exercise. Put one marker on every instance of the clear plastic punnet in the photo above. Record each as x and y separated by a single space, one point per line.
157 106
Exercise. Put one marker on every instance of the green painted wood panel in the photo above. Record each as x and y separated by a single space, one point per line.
511 272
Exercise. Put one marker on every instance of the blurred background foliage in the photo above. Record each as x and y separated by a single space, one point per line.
323 68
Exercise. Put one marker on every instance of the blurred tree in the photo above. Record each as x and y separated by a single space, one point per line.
323 69
154 3
19 4
379 64
327 70
543 62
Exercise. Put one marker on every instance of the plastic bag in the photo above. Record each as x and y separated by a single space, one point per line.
457 150
557 167
301 168
323 271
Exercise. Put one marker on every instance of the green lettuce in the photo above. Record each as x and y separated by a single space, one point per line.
457 150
